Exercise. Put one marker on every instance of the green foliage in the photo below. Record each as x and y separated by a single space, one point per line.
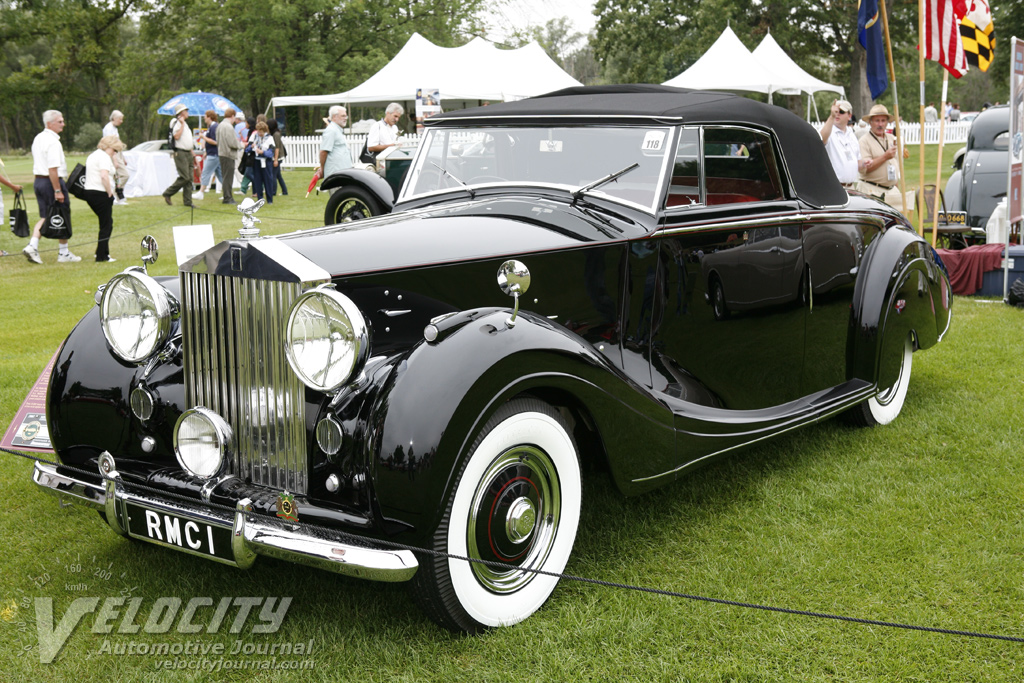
88 58
87 136
569 49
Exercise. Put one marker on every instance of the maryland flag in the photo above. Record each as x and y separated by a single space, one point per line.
978 34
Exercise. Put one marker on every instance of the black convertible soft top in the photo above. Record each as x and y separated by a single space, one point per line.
814 181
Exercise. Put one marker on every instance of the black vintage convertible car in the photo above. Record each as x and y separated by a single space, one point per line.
637 277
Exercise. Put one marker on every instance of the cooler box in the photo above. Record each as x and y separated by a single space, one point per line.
992 280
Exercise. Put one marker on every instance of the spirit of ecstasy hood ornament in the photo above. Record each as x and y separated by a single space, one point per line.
247 208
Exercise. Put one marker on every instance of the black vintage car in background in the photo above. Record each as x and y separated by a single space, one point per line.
363 192
687 277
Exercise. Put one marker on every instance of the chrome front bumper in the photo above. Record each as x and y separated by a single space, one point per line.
250 534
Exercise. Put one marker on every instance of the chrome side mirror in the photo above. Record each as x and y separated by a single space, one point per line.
514 279
150 251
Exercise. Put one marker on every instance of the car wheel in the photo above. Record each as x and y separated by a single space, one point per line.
350 204
718 304
886 404
516 502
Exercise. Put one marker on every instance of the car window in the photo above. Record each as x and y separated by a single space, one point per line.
684 189
1002 141
570 158
739 166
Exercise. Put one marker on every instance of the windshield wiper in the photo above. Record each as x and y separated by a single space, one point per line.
578 194
470 190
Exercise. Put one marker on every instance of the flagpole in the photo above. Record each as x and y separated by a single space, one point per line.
938 165
920 62
895 104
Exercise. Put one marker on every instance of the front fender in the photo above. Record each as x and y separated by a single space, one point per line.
953 196
904 291
438 398
368 180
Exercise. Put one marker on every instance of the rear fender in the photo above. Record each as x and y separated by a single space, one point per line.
905 291
368 180
440 395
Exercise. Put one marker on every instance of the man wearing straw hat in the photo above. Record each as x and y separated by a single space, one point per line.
184 163
878 178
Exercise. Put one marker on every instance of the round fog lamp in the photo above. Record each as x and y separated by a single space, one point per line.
142 403
201 438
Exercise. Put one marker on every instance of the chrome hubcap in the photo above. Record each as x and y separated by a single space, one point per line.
521 518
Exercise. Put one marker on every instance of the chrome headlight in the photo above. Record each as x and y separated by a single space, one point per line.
136 313
327 340
201 438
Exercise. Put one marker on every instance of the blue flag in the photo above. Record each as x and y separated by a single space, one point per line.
869 23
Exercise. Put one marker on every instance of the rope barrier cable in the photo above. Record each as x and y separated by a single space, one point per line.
373 542
120 233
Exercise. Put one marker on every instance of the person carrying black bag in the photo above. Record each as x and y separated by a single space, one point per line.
100 191
50 169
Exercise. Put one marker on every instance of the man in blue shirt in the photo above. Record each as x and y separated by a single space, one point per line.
334 153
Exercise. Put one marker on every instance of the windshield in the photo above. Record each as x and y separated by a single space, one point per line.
570 158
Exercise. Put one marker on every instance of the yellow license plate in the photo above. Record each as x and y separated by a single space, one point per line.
953 217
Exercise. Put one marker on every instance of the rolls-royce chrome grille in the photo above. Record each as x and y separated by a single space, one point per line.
235 364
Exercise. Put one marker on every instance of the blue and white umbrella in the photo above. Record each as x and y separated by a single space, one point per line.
198 103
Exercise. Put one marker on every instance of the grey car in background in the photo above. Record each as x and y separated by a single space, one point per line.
979 181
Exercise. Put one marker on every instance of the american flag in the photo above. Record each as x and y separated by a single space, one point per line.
942 34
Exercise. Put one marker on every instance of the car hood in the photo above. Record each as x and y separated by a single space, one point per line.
464 231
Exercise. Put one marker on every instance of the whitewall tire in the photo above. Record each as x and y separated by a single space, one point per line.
516 502
886 404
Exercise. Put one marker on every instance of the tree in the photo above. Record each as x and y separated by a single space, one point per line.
88 57
570 49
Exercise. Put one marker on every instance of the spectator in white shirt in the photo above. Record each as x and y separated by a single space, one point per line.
841 144
384 133
120 166
50 170
99 190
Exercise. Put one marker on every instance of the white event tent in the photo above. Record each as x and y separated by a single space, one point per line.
475 71
729 65
774 58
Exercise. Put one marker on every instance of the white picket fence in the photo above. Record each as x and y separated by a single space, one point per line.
304 150
956 133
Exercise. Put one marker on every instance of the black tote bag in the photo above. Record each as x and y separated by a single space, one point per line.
57 225
19 216
76 181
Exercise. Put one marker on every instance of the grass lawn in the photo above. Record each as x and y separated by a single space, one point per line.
916 522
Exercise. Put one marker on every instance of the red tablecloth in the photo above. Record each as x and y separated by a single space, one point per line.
967 267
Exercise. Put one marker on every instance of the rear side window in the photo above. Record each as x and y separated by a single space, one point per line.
739 166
